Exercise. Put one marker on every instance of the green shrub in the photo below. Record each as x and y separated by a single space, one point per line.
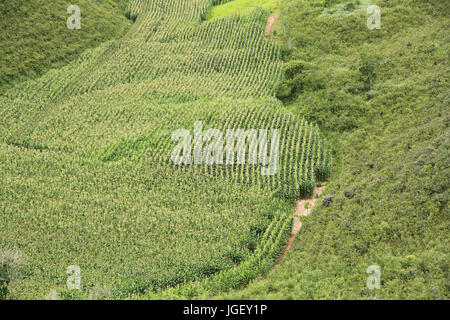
369 65
131 16
11 263
294 73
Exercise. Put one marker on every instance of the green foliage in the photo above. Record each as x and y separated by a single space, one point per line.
293 81
385 107
11 265
130 227
267 252
4 281
85 177
85 170
369 66
224 8
35 38
131 16
210 46
344 4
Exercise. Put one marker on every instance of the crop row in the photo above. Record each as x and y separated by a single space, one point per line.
265 255
128 226
228 56
123 123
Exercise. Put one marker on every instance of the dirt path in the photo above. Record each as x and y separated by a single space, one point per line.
270 23
304 207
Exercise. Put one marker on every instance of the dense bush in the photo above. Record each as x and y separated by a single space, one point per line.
131 16
368 69
293 81
11 266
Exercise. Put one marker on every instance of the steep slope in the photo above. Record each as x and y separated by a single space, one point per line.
383 95
88 176
34 37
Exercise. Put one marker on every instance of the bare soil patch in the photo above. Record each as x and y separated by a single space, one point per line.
269 25
303 209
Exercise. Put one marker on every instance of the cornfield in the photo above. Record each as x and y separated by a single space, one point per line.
86 173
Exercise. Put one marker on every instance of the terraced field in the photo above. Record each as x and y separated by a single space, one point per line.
87 177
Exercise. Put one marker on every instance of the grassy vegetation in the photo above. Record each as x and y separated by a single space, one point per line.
11 265
86 176
383 97
85 150
224 66
228 7
130 227
34 37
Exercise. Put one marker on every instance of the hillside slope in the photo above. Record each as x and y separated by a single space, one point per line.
87 172
383 96
34 37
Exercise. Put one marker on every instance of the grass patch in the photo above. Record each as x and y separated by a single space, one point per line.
34 37
240 6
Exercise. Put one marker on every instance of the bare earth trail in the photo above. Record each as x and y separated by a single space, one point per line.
304 206
270 23
303 209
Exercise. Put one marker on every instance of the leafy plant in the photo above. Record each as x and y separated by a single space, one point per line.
11 264
369 65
